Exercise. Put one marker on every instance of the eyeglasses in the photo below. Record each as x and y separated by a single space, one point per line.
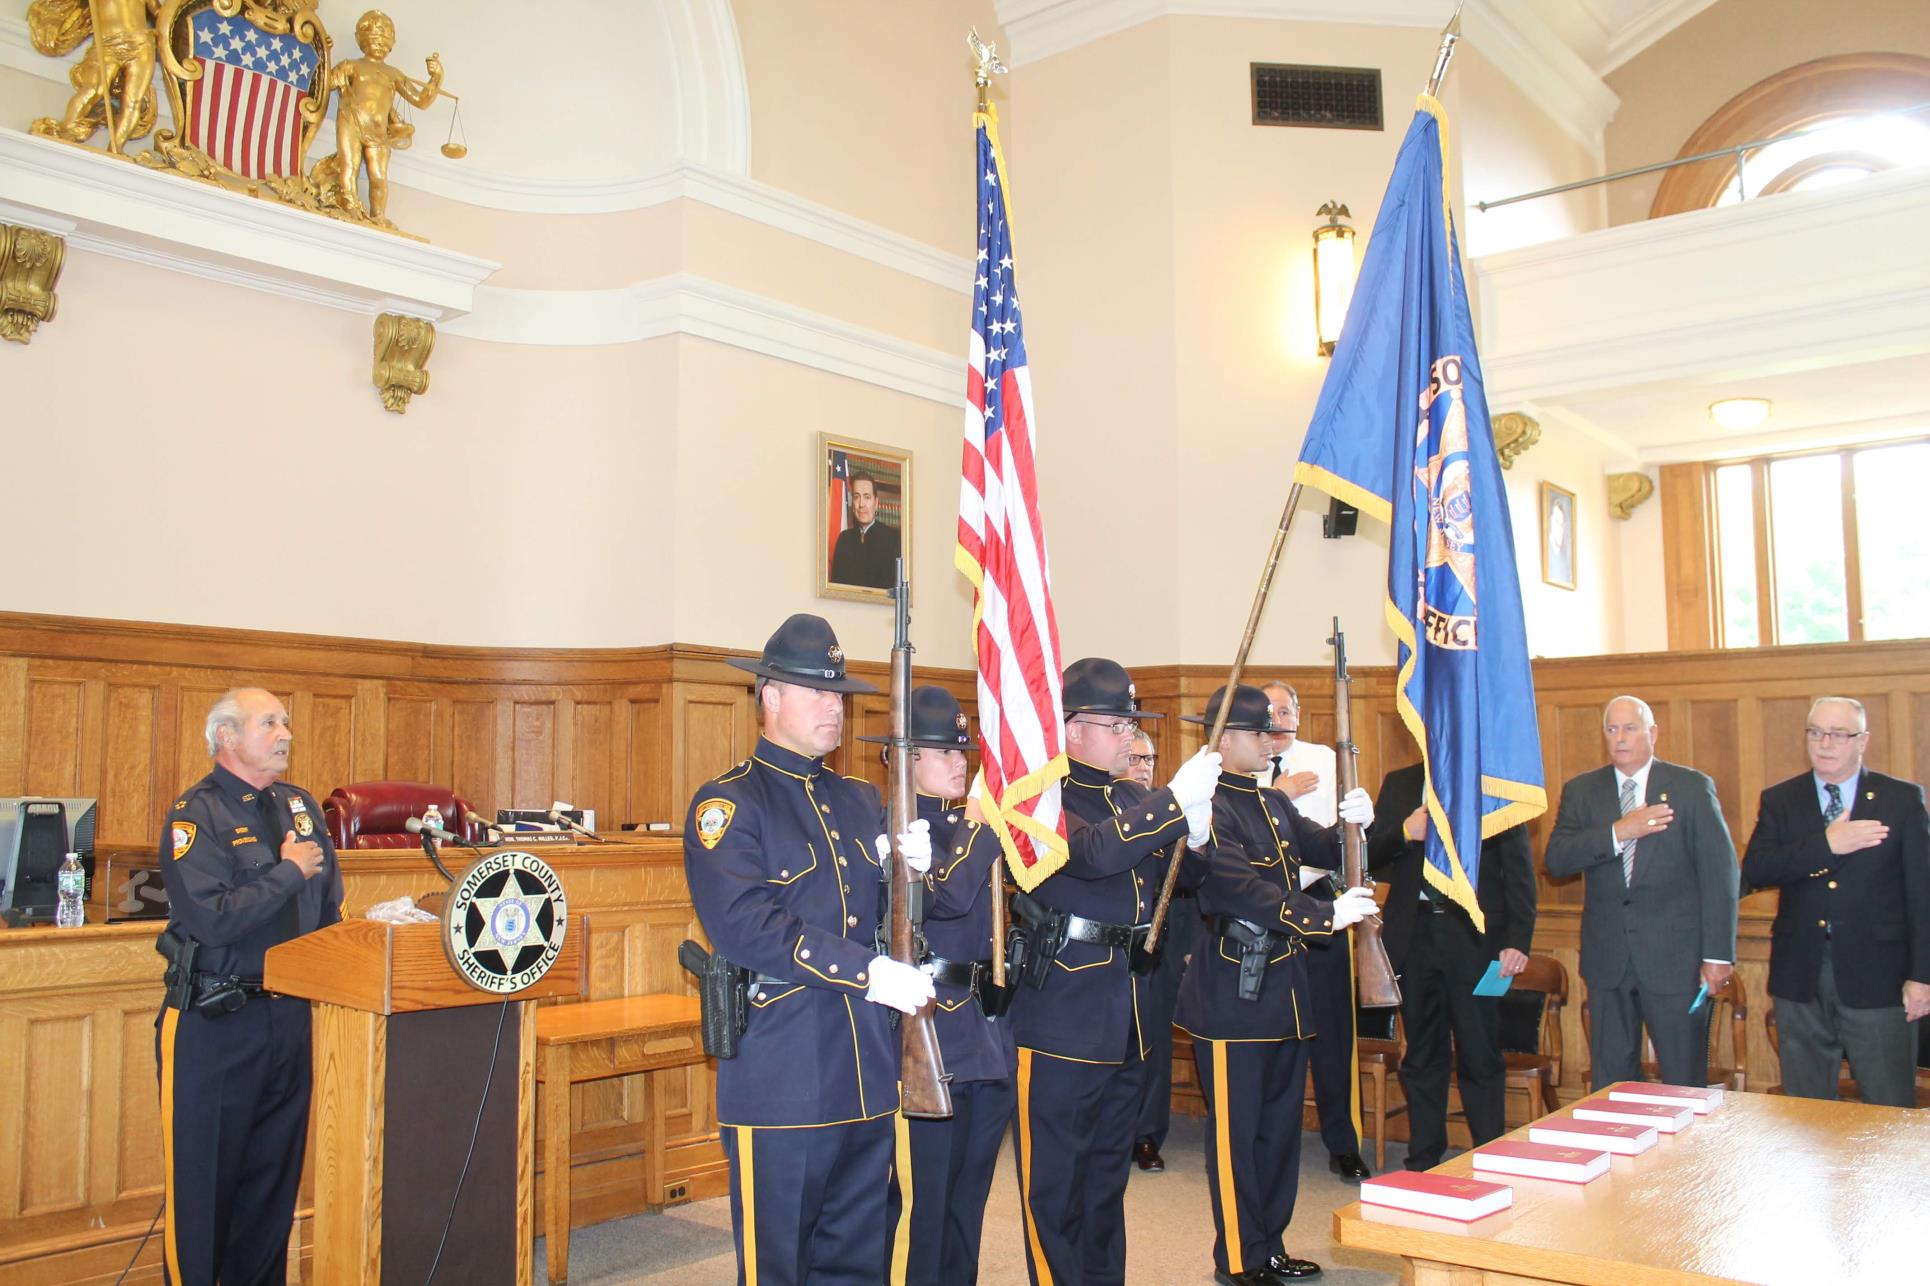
1835 736
1142 761
1118 727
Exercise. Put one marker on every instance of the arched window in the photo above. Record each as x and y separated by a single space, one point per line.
1850 109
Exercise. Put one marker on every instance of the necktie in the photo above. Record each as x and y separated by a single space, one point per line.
1275 761
1835 809
1628 845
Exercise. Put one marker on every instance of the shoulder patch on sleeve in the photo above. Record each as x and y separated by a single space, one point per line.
713 819
183 833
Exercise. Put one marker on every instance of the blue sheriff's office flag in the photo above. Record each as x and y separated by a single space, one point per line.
1402 433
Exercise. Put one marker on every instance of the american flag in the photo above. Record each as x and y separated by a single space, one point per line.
243 111
1001 550
838 506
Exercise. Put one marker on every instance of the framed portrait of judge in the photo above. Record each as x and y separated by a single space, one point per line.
864 518
1557 536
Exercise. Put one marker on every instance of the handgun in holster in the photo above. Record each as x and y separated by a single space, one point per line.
723 993
1039 934
1255 944
179 950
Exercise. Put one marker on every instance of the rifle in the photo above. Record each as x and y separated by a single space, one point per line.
1374 977
925 1089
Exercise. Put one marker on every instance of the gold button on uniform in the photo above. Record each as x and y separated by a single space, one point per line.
1832 883
851 920
831 969
804 954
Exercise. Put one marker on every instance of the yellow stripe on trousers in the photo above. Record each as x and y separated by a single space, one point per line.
1040 1268
1223 1139
901 1239
1353 1047
170 1020
747 1200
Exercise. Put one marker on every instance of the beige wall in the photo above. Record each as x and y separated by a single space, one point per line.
644 492
1587 619
1670 88
1503 146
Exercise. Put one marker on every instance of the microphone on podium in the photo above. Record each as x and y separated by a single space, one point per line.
493 832
429 834
563 819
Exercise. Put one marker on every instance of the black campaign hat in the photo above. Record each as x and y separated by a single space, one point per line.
1251 711
1098 686
804 651
936 721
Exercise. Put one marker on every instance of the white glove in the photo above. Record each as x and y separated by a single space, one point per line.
914 843
1196 780
1199 825
1357 808
898 985
1352 907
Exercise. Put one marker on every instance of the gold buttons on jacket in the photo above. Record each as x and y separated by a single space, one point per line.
831 969
851 921
805 954
1832 883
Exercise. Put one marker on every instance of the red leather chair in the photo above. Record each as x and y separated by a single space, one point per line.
371 814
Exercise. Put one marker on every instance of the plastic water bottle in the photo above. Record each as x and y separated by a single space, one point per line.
432 816
72 886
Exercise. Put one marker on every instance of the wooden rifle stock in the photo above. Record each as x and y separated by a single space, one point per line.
1374 979
925 1089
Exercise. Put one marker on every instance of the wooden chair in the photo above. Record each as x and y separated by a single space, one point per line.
1538 1074
1378 1058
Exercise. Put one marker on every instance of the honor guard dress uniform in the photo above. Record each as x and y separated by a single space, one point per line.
779 855
234 1060
940 1194
1081 1044
1245 1001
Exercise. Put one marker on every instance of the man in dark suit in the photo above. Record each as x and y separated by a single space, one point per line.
1659 907
1849 960
1440 956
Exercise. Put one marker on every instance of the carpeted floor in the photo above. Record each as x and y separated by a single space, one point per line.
1168 1227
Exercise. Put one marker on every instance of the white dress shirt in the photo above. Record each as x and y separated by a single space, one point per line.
1321 805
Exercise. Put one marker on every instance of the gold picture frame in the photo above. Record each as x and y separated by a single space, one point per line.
1557 536
855 559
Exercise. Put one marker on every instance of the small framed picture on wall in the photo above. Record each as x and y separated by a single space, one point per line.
864 518
1557 536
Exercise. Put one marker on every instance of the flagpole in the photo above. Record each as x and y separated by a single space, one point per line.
1226 702
988 66
1450 34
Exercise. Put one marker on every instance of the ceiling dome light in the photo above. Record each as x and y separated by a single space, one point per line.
1738 413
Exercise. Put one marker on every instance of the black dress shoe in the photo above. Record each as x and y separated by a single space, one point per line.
1350 1167
1251 1277
1146 1156
1288 1269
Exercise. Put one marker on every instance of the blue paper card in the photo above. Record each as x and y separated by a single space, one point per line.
1492 983
1701 994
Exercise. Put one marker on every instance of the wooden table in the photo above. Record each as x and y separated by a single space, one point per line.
1765 1189
587 1042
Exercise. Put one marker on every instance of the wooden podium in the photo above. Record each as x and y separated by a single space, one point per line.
402 1055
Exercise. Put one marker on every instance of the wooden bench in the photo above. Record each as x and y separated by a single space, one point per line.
587 1042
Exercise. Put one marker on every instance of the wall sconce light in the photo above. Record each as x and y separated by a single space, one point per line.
1333 274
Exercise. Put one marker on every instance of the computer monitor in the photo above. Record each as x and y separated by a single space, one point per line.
36 834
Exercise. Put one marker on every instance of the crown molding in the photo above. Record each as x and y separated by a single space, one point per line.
687 304
113 206
1507 32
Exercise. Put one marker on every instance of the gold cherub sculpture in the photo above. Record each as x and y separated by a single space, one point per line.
114 87
367 124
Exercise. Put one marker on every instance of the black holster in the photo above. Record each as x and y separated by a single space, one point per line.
723 992
1256 946
179 950
1038 934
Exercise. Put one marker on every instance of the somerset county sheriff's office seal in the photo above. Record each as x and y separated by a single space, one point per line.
503 921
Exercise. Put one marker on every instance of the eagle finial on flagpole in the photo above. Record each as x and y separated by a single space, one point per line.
1449 35
988 64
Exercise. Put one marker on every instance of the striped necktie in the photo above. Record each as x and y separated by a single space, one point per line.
1629 804
1835 809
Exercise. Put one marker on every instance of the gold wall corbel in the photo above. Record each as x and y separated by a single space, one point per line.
402 348
1514 433
30 263
1627 491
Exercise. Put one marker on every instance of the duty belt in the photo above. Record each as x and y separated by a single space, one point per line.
1080 929
208 983
1256 946
957 973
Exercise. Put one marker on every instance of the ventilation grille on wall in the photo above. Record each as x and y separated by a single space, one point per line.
1317 97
